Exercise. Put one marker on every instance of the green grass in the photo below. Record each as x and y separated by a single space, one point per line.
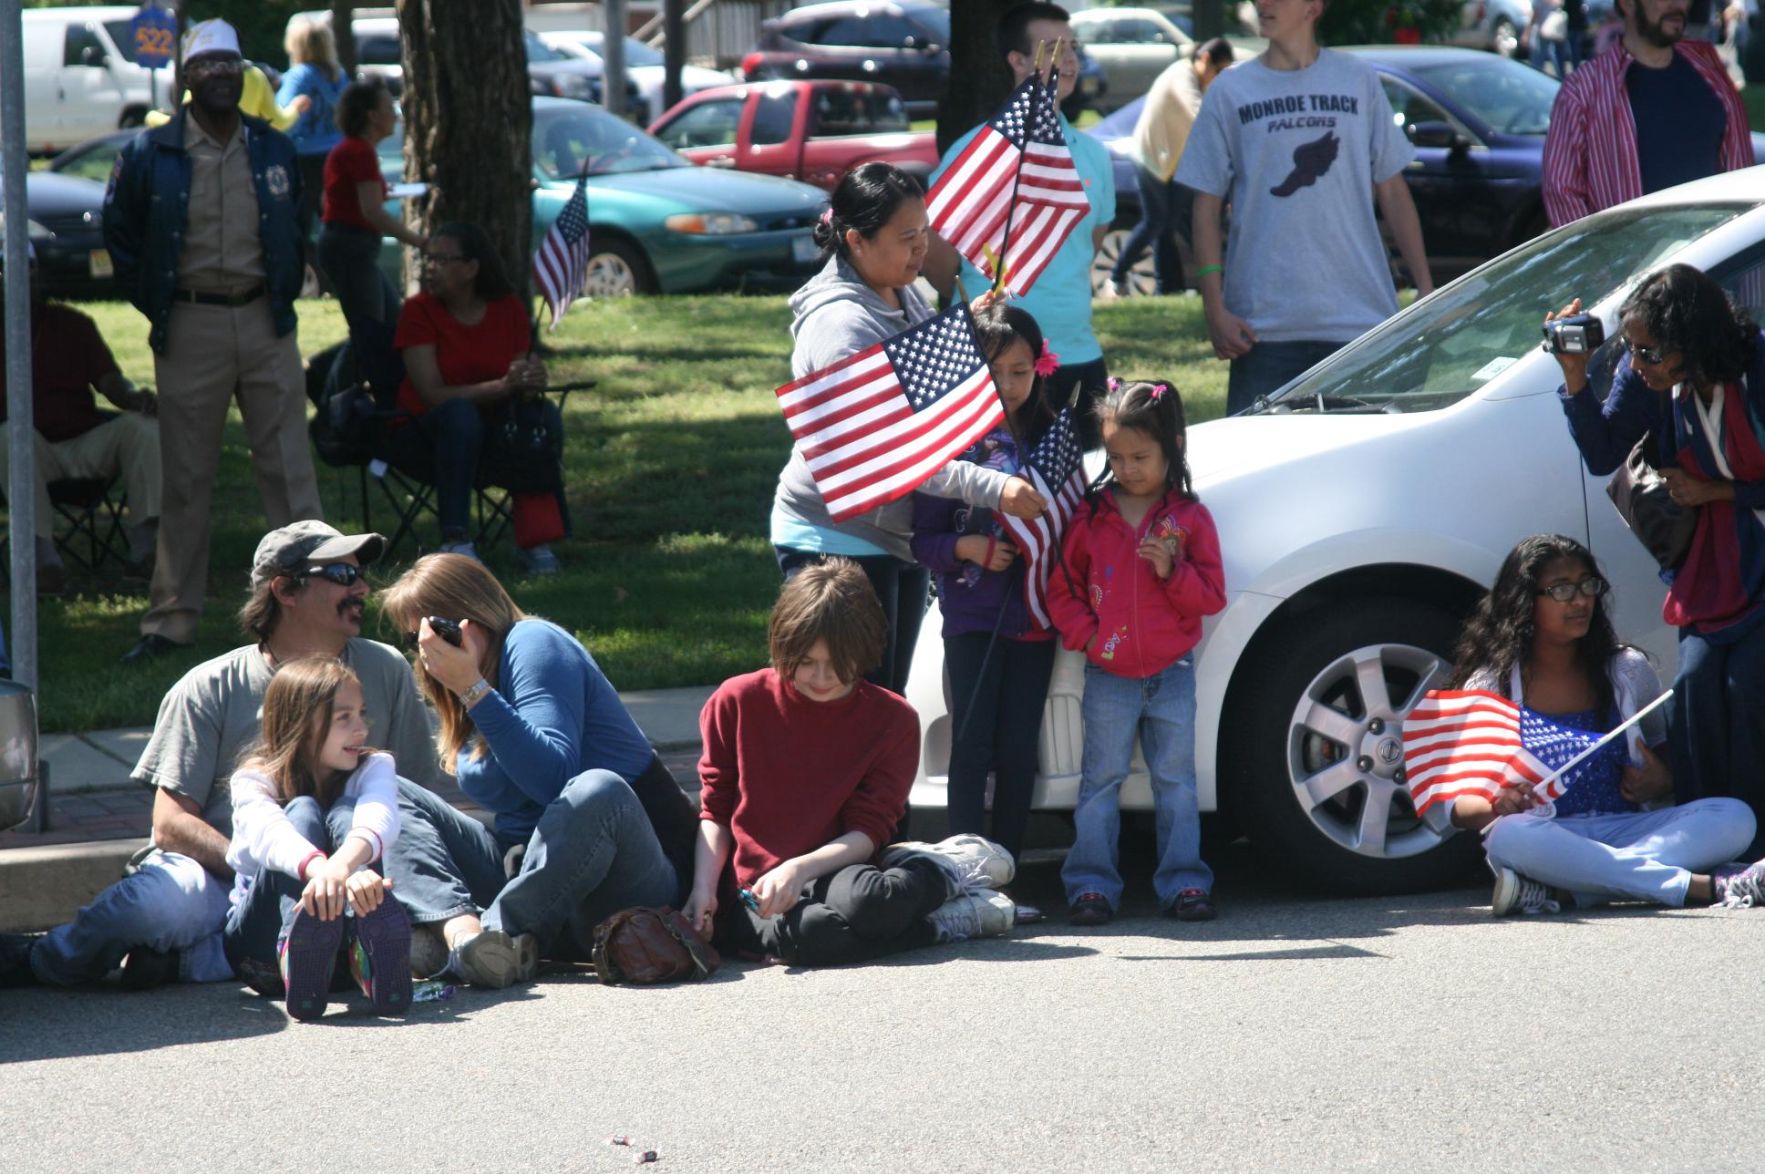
670 463
1753 97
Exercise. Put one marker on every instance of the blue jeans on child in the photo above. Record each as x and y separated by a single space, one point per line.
1638 855
261 919
171 903
1160 709
592 854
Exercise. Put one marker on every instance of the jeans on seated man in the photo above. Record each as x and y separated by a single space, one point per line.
74 440
307 596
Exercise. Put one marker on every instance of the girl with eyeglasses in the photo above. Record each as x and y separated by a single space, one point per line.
1693 380
1542 638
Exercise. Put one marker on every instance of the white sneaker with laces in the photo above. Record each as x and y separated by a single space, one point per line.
1517 894
1739 888
465 548
973 862
984 914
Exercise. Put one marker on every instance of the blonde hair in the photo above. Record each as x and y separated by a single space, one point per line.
453 587
310 42
296 720
831 601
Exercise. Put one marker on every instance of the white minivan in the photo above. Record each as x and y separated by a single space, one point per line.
80 75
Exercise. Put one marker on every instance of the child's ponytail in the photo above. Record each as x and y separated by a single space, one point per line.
1155 408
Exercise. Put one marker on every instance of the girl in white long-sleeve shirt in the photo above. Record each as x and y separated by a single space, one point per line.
312 809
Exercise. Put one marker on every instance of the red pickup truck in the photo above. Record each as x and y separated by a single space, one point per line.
814 131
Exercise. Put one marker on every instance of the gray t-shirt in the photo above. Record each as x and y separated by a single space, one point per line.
215 713
1297 153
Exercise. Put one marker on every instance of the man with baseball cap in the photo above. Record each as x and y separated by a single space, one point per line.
201 219
307 594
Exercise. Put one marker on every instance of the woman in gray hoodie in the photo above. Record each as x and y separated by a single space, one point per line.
875 234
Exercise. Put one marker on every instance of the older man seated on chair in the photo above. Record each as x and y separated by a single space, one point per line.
77 441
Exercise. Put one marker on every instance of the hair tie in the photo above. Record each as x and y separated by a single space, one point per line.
1158 390
1047 362
827 215
1113 383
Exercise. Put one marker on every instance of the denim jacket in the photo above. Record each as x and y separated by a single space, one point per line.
145 210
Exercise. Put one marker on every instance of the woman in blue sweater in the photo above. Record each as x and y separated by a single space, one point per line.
537 736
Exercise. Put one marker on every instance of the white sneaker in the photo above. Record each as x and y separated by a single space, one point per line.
1517 894
429 953
491 958
973 915
465 548
973 862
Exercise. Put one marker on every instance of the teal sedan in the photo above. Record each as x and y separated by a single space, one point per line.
657 223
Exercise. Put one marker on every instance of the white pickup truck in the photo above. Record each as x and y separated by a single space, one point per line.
80 75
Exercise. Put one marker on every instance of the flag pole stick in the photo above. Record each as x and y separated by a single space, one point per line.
1017 177
1595 748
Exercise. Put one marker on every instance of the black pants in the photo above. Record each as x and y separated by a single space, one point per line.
857 914
1081 385
902 588
996 719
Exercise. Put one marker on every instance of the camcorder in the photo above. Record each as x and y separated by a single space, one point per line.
1578 334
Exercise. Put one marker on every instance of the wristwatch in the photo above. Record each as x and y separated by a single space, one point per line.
475 693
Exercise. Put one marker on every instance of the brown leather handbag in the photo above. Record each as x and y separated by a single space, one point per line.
648 945
1642 499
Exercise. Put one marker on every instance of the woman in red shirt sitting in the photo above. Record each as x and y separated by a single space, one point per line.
465 340
354 221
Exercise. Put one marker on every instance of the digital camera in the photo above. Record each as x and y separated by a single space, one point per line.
1578 334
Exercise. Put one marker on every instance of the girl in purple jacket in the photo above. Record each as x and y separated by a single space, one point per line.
999 659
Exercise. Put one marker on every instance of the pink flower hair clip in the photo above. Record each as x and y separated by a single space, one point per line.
1047 362
1157 393
827 214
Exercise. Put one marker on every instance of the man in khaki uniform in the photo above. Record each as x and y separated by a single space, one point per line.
201 222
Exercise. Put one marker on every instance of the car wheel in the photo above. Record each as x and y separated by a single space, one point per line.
1142 281
1315 756
134 116
617 270
1505 38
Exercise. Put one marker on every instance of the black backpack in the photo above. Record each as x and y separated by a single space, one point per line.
347 426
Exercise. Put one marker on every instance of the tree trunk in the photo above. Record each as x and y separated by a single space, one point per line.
343 31
979 78
468 120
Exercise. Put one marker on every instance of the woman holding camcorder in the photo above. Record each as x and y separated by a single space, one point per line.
1688 396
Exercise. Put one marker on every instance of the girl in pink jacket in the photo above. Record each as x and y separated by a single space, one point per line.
1141 569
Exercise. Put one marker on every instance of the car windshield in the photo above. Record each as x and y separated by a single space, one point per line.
123 35
935 19
1479 326
93 163
1511 98
538 50
569 143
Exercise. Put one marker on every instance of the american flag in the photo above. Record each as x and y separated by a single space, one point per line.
1471 742
1017 169
875 426
1056 467
561 264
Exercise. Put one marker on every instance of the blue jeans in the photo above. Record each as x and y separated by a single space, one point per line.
1166 207
592 854
172 903
1269 366
258 922
351 259
998 734
441 447
1160 710
1639 855
1716 720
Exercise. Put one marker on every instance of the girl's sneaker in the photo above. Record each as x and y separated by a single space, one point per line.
1739 885
1514 893
308 957
380 957
1090 909
1192 905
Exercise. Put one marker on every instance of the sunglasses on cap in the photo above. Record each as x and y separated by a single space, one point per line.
1593 586
342 574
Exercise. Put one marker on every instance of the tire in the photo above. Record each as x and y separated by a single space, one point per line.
1309 677
617 269
133 117
1504 38
1142 280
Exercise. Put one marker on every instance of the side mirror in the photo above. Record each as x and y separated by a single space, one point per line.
94 56
1438 136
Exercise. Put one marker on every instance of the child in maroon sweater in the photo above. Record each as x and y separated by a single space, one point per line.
805 774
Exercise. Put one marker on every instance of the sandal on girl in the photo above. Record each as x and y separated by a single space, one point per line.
380 957
308 957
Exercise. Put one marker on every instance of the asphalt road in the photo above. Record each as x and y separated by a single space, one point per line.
1292 1034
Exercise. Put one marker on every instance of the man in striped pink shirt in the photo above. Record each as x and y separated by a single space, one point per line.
1650 112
